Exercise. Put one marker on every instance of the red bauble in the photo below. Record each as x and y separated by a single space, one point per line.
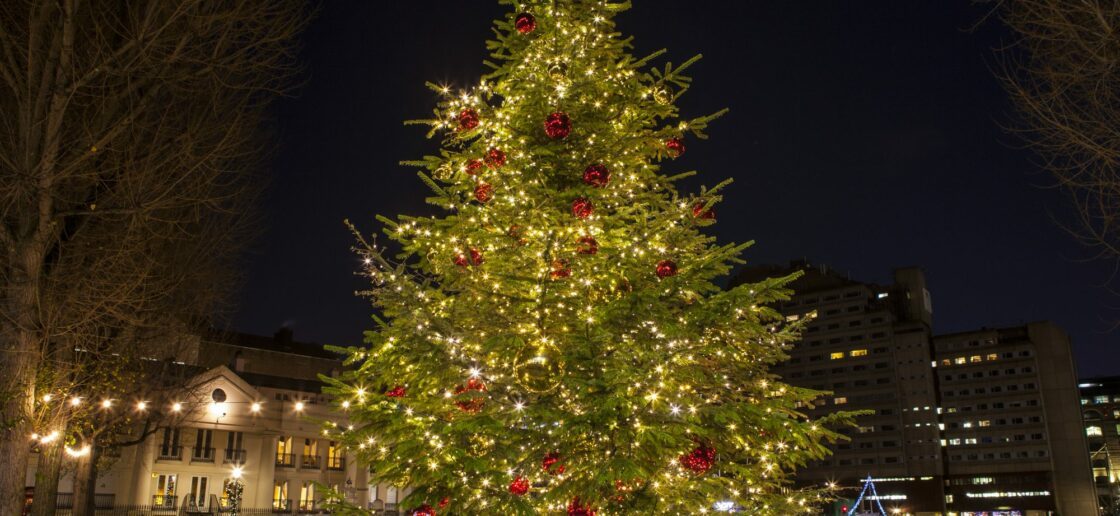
560 269
473 166
525 23
443 503
396 392
471 406
699 459
698 211
675 147
495 158
582 207
597 175
519 486
576 508
473 258
587 245
666 268
473 384
517 234
424 510
557 125
552 459
484 192
468 119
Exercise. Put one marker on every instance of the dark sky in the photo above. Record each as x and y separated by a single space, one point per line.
864 135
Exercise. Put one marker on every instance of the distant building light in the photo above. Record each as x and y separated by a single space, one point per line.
882 295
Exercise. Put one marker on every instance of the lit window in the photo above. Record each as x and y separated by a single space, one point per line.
1093 431
837 355
960 360
859 353
954 442
993 356
1100 399
970 440
975 358
967 424
946 361
984 422
842 400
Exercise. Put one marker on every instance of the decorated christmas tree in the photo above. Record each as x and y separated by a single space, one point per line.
555 340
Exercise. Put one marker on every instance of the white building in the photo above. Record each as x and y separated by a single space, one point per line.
262 427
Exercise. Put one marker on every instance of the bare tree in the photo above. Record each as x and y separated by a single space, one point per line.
1063 73
128 137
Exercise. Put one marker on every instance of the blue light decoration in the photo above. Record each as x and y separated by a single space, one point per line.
868 484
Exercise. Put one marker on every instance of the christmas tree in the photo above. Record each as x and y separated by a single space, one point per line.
555 340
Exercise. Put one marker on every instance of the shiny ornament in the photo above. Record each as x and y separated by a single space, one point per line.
517 233
675 147
560 269
597 175
495 158
468 119
582 207
519 486
557 125
396 392
525 23
587 245
699 459
472 258
576 508
661 96
444 502
558 72
473 166
551 463
539 367
700 212
425 510
666 268
444 172
475 403
484 192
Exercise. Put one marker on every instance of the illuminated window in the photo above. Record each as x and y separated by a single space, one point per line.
859 353
946 361
967 424
975 358
993 356
842 400
954 442
970 440
984 422
1093 431
837 355
1100 399
960 360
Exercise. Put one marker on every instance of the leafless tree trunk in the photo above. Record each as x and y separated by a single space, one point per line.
85 484
47 472
1062 72
128 142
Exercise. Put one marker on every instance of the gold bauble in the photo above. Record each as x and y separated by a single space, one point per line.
539 367
558 72
444 172
661 95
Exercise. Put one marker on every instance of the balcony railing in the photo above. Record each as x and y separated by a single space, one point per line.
164 502
285 460
171 452
281 505
235 456
309 461
202 454
336 462
100 501
306 506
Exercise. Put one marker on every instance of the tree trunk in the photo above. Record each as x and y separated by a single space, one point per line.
85 484
47 473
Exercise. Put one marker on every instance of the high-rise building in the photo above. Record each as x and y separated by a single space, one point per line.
1012 421
873 349
1100 407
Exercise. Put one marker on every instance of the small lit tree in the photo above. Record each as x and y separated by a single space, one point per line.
557 339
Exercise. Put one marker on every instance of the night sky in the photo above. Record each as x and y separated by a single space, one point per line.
863 135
